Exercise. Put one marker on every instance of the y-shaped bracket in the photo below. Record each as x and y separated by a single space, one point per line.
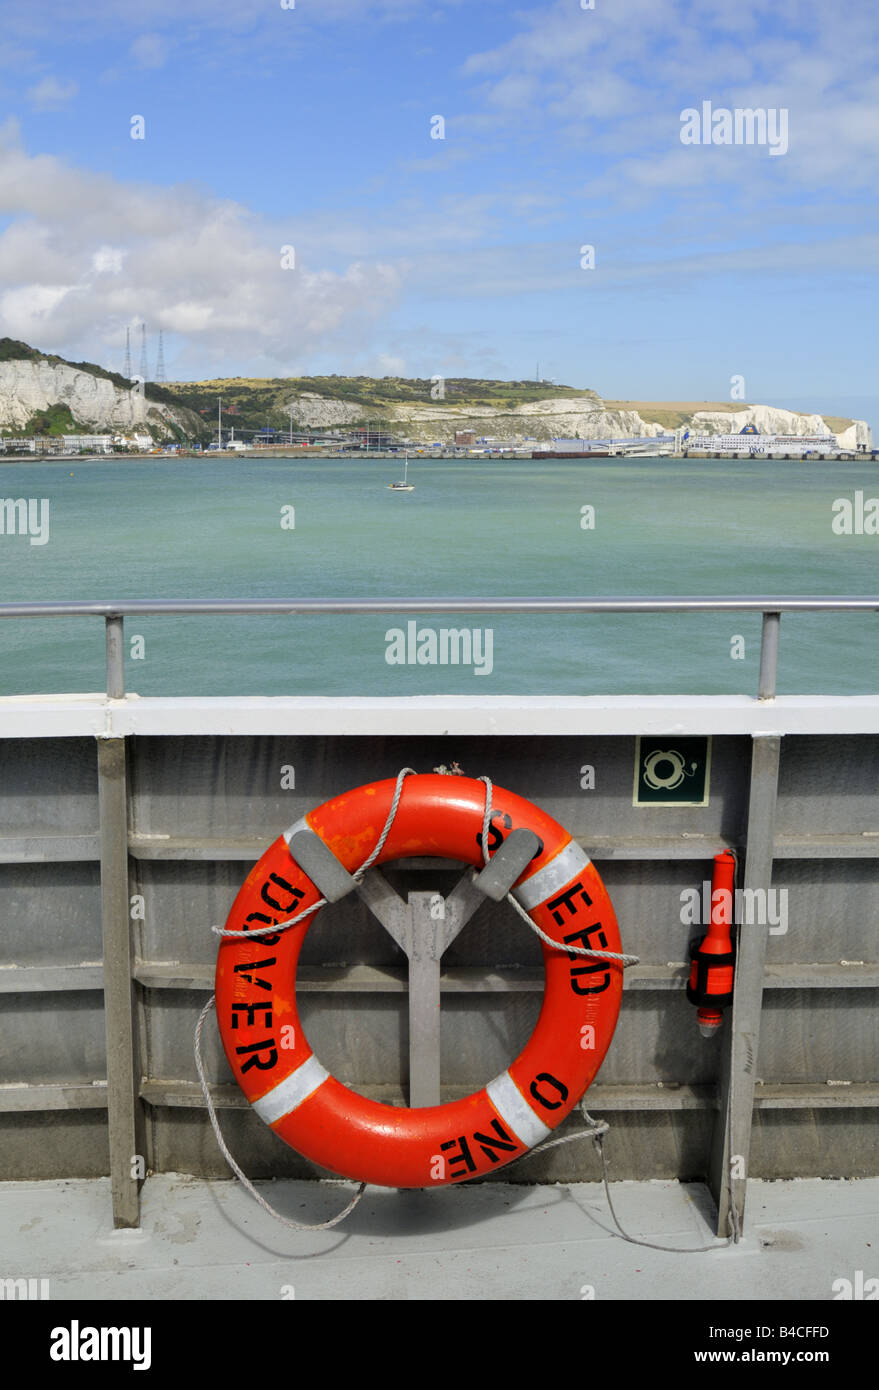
423 927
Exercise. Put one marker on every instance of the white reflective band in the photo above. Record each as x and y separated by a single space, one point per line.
553 876
290 1093
515 1111
301 824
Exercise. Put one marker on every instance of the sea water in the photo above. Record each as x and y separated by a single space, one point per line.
290 528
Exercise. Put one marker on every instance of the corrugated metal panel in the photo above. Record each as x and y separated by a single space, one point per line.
203 808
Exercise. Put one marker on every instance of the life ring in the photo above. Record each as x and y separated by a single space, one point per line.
388 1145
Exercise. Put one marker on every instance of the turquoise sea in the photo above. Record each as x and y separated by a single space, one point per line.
212 529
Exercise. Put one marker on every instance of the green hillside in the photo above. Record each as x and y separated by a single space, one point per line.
255 402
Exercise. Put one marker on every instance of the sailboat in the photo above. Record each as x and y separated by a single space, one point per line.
403 485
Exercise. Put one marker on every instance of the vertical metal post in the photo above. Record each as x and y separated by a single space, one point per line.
769 656
730 1153
423 927
426 945
115 657
123 1103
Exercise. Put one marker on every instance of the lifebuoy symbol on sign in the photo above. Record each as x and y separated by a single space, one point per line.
660 779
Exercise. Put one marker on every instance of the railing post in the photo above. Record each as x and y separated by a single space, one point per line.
124 1109
115 657
769 656
730 1159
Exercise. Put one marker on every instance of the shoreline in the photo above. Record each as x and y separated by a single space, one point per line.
277 453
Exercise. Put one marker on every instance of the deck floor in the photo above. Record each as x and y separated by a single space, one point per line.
209 1240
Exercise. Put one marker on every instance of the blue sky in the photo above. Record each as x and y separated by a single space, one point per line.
310 127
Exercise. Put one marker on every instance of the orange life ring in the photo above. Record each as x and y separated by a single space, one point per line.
390 1145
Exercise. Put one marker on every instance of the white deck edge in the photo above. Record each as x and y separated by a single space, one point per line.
72 716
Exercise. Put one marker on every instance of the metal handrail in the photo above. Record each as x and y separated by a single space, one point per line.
672 604
114 611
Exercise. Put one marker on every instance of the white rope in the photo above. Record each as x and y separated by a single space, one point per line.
265 931
240 1175
358 873
559 945
596 1129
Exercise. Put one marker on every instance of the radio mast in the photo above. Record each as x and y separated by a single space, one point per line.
160 360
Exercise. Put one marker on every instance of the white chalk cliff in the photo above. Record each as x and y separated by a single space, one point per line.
31 384
27 387
559 417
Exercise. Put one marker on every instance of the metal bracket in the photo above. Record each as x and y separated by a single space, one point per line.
507 863
423 927
321 865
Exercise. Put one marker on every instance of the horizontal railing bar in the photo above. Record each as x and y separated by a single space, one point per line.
117 608
50 979
188 1095
49 849
56 849
461 979
478 979
633 1097
20 1097
598 847
840 1095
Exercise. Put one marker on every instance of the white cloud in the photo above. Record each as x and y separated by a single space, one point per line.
108 260
149 51
51 95
84 254
612 81
26 311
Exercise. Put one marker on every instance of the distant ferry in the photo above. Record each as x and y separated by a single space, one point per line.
750 440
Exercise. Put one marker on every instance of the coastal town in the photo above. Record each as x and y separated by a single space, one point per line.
53 408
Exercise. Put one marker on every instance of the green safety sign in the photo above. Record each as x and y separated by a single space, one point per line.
672 771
